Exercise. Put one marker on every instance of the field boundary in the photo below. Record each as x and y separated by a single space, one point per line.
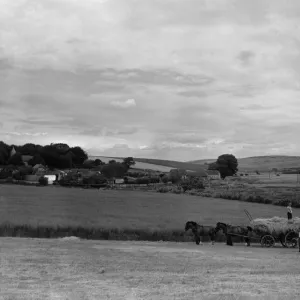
176 235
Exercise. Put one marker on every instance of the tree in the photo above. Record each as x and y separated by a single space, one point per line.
99 162
4 153
16 160
54 158
79 155
114 170
175 175
37 160
112 161
28 149
129 162
227 165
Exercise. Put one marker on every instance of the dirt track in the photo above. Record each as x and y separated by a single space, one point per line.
74 269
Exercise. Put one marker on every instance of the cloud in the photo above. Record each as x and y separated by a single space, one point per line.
246 57
27 133
171 79
124 104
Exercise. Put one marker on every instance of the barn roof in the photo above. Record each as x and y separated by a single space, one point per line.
26 158
198 173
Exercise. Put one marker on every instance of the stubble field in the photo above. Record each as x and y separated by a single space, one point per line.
77 269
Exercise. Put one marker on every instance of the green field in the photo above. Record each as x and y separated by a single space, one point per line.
57 206
79 269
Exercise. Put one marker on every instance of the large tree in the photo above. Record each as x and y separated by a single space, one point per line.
112 170
79 155
128 162
226 164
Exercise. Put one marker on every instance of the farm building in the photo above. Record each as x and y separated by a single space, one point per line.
13 151
26 158
201 173
213 174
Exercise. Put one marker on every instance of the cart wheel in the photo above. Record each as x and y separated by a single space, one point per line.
267 241
291 239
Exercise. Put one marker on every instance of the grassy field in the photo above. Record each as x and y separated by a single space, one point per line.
77 269
121 209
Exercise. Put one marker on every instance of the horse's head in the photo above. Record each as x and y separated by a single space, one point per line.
221 226
189 225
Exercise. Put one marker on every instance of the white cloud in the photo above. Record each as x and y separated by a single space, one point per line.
124 104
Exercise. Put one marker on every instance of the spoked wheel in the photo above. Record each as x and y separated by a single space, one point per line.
291 239
267 241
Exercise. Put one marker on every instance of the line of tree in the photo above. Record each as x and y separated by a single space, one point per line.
61 156
53 155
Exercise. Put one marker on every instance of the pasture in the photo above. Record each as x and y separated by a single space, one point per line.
56 206
261 163
81 269
284 180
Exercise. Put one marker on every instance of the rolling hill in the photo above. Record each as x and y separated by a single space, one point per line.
261 163
155 164
249 164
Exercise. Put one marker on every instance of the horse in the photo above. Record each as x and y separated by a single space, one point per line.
230 230
200 231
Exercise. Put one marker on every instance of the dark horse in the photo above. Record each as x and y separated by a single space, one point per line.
230 230
200 230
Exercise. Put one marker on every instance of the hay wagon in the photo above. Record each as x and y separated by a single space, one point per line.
289 240
270 231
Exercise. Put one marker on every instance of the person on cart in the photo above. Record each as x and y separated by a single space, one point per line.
289 211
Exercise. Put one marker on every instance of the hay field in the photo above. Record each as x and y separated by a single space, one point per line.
138 165
76 269
52 206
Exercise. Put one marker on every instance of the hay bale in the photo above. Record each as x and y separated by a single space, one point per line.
275 226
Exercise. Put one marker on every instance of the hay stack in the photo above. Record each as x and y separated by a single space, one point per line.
275 226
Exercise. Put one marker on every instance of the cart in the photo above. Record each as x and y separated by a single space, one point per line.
267 239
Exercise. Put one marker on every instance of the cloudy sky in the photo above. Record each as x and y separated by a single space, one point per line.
170 79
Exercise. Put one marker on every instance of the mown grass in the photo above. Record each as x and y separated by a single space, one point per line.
113 214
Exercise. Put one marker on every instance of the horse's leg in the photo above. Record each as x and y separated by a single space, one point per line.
212 238
229 240
201 243
197 239
247 241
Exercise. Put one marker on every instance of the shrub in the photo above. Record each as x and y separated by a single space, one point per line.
143 180
43 181
16 160
165 179
163 189
17 176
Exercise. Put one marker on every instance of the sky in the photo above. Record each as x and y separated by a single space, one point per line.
169 79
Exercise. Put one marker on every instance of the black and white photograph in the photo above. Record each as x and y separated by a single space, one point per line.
149 149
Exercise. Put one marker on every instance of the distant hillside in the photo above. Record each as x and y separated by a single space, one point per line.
172 164
155 164
261 163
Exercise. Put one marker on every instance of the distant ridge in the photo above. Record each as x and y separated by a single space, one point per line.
253 163
156 164
261 163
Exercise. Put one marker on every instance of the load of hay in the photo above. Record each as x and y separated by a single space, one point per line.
275 226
